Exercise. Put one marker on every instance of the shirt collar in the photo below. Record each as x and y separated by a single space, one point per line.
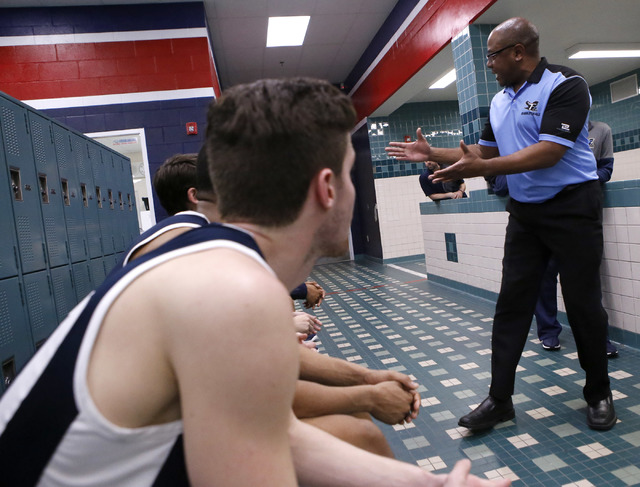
536 74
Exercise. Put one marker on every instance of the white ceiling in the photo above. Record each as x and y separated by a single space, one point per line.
340 31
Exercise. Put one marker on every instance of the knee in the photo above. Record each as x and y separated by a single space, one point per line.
371 438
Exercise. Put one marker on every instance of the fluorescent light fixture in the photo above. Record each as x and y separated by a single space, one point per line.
600 51
444 81
287 31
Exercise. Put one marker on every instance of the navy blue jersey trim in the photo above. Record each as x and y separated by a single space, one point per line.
174 470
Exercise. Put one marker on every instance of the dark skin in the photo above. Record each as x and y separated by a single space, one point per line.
515 56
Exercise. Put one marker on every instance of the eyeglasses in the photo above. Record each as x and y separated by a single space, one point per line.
492 55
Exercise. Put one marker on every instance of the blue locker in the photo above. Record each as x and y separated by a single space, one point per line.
99 165
98 271
120 222
50 190
24 193
9 248
133 225
108 215
41 306
82 280
111 261
71 194
16 344
82 162
63 291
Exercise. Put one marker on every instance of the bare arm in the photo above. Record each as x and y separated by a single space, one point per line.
537 156
235 393
388 402
320 368
323 460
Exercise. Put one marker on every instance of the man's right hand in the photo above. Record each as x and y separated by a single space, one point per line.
417 151
391 403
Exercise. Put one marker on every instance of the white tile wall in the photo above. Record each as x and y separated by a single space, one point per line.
480 240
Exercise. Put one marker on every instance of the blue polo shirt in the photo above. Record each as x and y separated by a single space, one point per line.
553 105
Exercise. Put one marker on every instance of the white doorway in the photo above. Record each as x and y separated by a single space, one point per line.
132 144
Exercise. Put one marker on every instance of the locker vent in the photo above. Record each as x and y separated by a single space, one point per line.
62 154
35 306
24 236
10 132
624 88
6 330
55 247
58 291
38 143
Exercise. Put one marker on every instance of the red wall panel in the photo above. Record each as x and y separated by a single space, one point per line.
431 30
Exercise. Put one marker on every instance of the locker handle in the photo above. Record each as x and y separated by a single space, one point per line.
44 252
8 371
49 284
84 242
21 295
66 246
26 123
15 255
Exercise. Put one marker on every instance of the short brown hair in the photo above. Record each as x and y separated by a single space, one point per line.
172 180
268 139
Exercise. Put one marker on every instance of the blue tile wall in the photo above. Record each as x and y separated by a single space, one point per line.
440 123
623 117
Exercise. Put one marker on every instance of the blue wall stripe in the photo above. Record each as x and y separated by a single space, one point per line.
393 22
102 18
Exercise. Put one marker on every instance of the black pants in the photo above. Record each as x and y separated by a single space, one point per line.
569 227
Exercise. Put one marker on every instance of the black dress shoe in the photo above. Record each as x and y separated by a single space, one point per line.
601 415
489 413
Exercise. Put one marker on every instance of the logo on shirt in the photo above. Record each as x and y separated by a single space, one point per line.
532 106
565 127
592 143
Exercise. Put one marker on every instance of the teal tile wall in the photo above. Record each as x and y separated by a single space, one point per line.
623 117
475 84
440 123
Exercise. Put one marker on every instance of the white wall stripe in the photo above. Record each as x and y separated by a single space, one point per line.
404 269
86 101
137 35
420 5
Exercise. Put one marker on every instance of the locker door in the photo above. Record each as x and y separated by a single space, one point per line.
120 224
63 291
133 226
98 272
51 203
16 345
41 307
111 261
82 156
24 184
82 280
71 194
9 248
99 164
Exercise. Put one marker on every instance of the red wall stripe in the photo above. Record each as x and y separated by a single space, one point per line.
431 30
68 70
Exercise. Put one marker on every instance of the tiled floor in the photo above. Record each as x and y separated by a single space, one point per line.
390 316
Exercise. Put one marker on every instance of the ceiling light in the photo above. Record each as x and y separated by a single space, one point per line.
444 81
287 31
599 51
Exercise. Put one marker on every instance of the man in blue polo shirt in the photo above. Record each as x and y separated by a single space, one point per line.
537 135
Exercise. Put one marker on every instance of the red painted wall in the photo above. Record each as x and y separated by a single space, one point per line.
431 30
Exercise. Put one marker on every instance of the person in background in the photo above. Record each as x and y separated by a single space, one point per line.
440 191
537 135
546 312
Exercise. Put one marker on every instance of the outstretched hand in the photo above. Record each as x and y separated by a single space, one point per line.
417 151
469 166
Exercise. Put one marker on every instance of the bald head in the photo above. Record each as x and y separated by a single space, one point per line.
518 30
